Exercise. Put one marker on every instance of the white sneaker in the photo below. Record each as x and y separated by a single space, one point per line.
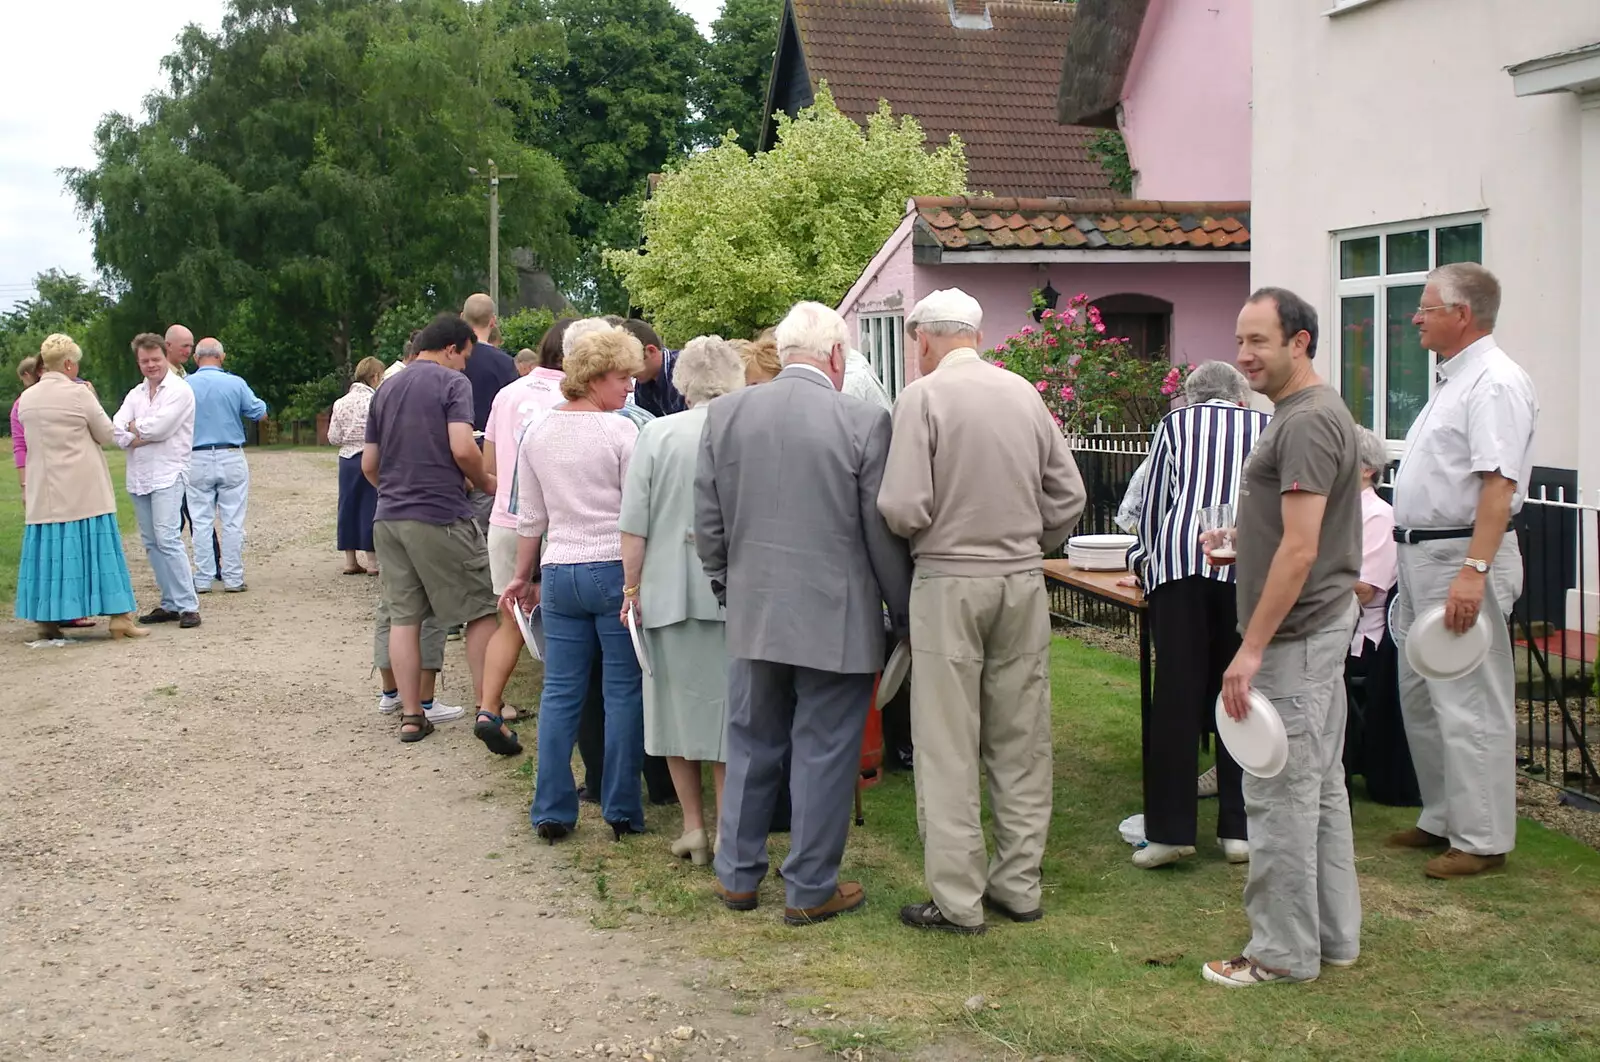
388 704
1207 786
1241 972
1156 854
1235 850
444 713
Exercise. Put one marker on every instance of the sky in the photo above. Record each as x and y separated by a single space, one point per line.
55 96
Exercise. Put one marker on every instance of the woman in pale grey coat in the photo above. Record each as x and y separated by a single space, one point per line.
666 589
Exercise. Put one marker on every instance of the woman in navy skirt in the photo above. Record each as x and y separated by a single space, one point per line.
358 499
72 560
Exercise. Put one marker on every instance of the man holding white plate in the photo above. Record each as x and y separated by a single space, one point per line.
1462 479
1299 552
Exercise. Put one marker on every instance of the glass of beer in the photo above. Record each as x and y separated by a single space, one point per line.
1217 532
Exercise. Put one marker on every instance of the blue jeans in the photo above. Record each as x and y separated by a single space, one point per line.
219 485
160 515
580 604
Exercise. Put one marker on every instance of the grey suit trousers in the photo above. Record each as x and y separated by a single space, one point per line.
773 708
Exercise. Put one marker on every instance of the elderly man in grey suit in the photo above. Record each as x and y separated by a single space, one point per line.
788 529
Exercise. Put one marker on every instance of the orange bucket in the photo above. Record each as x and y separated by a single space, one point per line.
872 743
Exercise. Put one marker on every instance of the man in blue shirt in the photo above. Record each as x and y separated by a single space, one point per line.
219 479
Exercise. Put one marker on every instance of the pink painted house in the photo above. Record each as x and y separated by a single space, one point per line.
1169 272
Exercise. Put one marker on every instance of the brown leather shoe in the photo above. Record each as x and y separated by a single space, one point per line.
849 896
734 901
1416 837
1458 864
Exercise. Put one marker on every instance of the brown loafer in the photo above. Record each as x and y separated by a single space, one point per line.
849 896
1458 864
734 901
1416 837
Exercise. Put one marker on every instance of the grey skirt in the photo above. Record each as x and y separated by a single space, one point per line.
685 702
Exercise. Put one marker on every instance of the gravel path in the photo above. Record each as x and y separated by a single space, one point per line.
212 846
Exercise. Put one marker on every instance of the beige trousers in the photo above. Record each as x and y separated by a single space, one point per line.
980 693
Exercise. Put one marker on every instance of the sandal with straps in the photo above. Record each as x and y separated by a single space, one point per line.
423 725
488 730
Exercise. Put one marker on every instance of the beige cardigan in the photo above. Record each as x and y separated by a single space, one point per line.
67 474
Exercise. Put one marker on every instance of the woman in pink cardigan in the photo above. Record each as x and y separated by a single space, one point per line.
28 373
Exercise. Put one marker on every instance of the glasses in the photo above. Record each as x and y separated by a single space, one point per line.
1429 309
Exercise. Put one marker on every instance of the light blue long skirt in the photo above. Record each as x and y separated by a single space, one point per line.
73 569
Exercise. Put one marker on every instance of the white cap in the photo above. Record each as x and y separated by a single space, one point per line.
950 305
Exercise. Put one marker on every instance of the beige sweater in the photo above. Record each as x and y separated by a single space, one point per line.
979 477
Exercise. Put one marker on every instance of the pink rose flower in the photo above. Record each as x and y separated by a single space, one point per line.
1040 386
1027 330
1067 393
1098 327
1051 341
999 364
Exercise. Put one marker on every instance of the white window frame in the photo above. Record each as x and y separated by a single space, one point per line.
1378 287
881 338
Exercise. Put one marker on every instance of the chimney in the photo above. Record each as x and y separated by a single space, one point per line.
970 14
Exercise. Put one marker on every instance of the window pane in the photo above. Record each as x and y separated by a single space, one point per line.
1357 332
1408 252
1407 361
1358 258
1460 243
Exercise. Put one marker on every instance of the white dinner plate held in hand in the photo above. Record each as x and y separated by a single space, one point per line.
894 674
639 649
1435 652
1258 742
531 624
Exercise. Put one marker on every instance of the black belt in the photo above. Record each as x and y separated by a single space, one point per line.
218 446
1411 536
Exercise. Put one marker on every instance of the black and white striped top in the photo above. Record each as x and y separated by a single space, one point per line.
1196 454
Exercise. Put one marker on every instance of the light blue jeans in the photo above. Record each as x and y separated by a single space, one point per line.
219 486
581 604
160 515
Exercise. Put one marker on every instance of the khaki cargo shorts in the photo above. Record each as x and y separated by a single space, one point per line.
434 570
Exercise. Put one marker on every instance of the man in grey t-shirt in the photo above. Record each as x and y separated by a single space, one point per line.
1299 551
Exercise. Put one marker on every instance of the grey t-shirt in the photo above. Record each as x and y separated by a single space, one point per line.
418 478
1310 445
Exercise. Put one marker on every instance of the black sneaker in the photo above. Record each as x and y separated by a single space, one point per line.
928 916
1016 916
189 620
159 615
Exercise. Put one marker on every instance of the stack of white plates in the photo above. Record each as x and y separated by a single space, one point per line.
1100 553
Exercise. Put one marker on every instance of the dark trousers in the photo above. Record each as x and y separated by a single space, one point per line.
1375 745
592 750
1194 622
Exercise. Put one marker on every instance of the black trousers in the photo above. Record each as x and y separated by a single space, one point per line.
592 749
1194 622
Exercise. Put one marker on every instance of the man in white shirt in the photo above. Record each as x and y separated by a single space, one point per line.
156 426
1463 477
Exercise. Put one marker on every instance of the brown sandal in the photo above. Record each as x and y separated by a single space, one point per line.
423 725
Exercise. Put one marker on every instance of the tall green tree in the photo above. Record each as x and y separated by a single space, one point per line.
731 89
305 171
732 240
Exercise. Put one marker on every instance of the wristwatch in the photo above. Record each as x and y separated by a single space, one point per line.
1479 566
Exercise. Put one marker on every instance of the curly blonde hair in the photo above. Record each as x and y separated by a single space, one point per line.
596 354
57 350
760 356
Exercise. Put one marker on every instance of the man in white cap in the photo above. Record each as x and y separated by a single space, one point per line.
982 508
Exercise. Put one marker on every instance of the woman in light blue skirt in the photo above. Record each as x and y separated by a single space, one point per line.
72 561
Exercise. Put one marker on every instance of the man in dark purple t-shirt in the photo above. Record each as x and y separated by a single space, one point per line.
433 557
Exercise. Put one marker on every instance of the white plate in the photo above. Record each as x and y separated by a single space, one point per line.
1259 743
639 649
1437 653
531 624
894 674
1101 542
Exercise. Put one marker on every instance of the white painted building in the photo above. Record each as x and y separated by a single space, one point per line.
1393 135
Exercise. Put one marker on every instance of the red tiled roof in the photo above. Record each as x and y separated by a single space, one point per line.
996 88
957 223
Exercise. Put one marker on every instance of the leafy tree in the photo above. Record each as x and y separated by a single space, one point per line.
63 302
731 89
798 222
1110 153
524 329
305 171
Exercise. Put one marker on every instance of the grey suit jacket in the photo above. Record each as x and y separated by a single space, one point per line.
788 528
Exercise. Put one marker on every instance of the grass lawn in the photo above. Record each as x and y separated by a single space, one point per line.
1507 966
11 519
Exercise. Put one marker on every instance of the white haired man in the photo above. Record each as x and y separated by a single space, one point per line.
1462 478
980 480
1197 453
788 530
219 477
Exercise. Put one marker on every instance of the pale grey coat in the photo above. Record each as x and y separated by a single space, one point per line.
658 506
788 528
